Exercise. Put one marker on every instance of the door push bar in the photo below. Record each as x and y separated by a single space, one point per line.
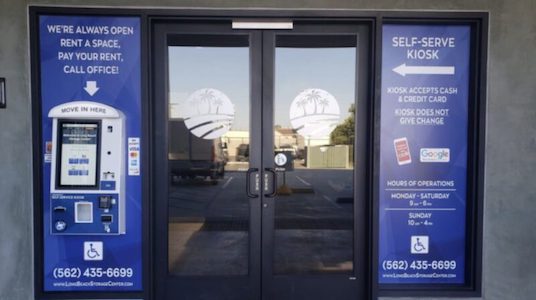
257 182
273 192
270 193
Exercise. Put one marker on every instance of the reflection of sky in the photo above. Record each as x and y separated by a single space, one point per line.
227 69
297 69
222 68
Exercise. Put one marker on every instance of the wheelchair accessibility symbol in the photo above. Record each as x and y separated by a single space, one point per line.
93 251
419 244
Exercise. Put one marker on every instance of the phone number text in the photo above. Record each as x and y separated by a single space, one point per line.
419 265
93 273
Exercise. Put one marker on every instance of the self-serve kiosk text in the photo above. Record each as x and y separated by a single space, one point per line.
87 180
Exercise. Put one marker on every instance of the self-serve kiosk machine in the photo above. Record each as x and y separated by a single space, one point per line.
87 180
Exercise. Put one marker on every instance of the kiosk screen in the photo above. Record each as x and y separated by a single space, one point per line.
78 154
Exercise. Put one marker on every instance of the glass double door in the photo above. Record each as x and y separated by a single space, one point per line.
259 161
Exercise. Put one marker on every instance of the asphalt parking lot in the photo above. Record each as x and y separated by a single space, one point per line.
209 224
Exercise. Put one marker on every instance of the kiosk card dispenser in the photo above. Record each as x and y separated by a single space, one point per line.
87 186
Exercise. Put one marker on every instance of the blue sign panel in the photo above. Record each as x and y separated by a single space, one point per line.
90 81
423 156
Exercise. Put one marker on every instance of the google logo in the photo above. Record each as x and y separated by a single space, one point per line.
435 155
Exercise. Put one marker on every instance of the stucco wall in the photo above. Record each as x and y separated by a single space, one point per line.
509 222
16 221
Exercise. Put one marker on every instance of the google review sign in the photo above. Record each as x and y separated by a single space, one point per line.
435 155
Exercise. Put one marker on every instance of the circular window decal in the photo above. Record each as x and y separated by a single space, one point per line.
280 159
208 113
314 113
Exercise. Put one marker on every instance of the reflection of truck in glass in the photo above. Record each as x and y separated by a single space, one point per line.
287 148
242 152
190 156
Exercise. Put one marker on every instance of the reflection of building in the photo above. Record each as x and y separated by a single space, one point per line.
235 139
316 141
288 136
238 143
283 137
332 156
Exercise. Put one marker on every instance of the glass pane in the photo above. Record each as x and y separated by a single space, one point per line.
314 130
208 141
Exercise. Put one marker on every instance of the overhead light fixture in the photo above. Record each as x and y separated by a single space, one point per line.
262 24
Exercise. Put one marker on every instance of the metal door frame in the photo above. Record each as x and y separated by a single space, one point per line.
262 49
189 286
308 286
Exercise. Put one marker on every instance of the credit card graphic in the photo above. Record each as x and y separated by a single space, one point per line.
403 155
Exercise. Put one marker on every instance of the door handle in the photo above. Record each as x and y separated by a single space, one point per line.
274 183
248 183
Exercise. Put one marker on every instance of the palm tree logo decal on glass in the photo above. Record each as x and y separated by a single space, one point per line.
314 113
208 113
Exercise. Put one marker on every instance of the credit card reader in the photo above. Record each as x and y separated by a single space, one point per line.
87 180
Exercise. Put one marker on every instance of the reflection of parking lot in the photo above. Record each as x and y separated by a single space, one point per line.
315 194
314 222
198 198
208 232
208 226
